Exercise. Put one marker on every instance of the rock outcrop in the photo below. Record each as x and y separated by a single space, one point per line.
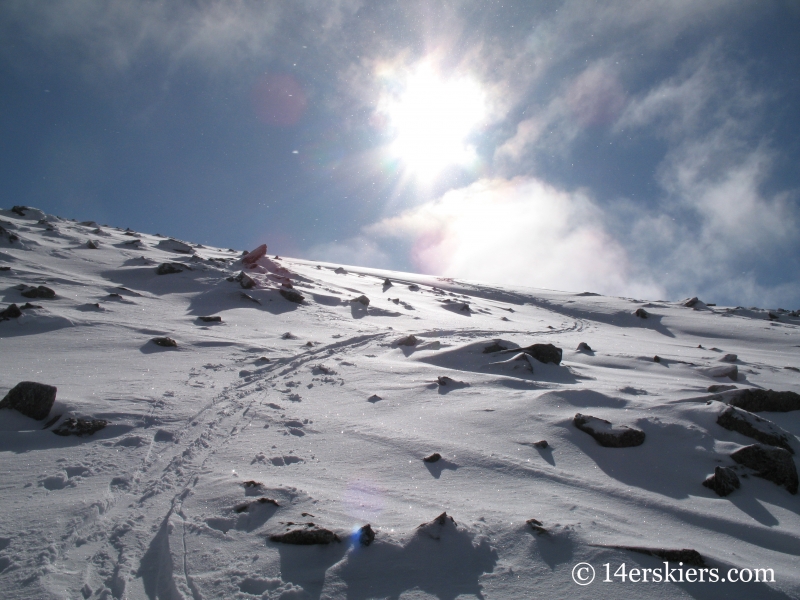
607 434
32 399
724 481
771 463
766 401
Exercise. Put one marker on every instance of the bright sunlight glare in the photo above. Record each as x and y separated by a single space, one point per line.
432 118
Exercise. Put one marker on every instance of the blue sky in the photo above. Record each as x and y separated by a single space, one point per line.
645 149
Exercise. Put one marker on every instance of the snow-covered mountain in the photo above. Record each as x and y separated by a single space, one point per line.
318 402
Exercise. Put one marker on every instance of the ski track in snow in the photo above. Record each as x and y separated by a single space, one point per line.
154 505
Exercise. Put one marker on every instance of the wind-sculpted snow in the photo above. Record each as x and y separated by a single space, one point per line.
381 399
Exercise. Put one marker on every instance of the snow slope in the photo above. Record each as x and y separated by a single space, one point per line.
318 403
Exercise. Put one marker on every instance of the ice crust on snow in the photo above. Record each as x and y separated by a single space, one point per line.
207 449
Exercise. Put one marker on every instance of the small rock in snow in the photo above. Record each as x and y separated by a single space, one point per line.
215 319
584 347
720 387
641 313
414 287
729 371
374 398
541 444
657 358
436 527
32 399
691 302
729 358
165 342
168 268
250 258
537 526
494 347
260 502
387 283
38 292
11 312
306 537
366 535
245 280
771 463
93 244
409 340
544 353
432 458
761 430
609 435
340 271
291 295
724 481
80 427
766 401
362 299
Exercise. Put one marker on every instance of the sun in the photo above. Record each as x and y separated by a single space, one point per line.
431 119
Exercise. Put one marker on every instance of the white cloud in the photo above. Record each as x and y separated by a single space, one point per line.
519 232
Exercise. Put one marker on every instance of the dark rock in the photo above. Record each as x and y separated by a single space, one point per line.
362 299
168 268
306 537
5 268
495 347
28 305
541 444
244 296
32 399
724 481
250 258
210 319
761 430
340 271
432 458
366 535
772 316
641 313
291 295
20 210
445 380
729 371
252 484
687 556
261 501
537 526
435 528
409 340
771 463
93 244
766 400
691 302
80 427
413 287
387 283
165 342
584 347
12 312
544 353
720 387
729 358
245 280
39 292
609 435
657 358
173 245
